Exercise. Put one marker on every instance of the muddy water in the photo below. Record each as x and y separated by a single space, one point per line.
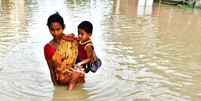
148 53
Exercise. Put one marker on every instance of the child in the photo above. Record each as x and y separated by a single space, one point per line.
85 48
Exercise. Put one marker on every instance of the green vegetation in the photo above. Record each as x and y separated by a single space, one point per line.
185 6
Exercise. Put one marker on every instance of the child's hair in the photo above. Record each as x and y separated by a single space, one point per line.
87 26
56 18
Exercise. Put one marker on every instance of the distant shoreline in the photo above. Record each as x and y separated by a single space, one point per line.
169 2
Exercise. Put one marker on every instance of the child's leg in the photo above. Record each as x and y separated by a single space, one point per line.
73 80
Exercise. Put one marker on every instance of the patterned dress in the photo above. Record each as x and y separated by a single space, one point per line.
64 59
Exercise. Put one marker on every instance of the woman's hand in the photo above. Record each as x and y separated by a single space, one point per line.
94 56
70 37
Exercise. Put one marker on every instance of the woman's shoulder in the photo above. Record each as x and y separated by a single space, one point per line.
48 45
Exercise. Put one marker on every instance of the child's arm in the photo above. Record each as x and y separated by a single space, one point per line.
89 52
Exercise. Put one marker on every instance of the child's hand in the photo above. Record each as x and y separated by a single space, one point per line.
78 65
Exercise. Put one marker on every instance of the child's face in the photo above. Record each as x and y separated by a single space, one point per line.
56 30
82 35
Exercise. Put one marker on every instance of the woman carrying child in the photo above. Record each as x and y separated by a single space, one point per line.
61 54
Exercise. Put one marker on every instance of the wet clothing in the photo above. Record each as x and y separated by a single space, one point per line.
82 53
82 49
64 58
48 51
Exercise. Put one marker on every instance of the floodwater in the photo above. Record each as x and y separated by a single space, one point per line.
150 53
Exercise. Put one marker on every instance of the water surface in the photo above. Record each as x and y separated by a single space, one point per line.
149 53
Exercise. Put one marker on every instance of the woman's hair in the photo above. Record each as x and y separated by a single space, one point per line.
87 26
55 18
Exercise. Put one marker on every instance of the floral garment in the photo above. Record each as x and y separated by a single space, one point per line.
64 59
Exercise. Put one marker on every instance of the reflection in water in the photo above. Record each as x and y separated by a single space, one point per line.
13 27
148 52
117 7
61 93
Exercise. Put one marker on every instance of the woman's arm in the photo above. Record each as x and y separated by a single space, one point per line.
94 56
52 73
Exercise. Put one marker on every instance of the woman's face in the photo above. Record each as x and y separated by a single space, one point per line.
56 30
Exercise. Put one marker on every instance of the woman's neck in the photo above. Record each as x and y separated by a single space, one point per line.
56 41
